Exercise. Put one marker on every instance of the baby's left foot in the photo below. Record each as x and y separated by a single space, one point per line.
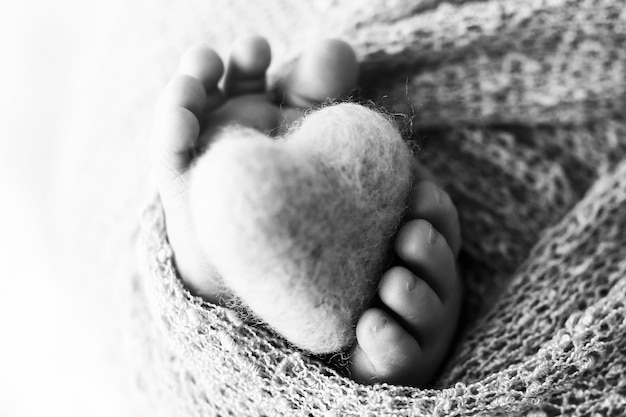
406 338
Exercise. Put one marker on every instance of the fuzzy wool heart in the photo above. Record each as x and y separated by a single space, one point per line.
300 227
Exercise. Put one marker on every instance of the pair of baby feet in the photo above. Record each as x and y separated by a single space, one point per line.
404 337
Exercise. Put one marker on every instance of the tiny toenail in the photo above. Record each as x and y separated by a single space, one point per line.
380 325
410 283
432 236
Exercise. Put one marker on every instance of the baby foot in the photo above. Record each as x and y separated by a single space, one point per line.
193 107
405 339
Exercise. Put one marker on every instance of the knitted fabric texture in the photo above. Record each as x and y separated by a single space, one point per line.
277 217
518 107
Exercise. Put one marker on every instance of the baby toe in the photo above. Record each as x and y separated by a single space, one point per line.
247 66
426 253
175 131
183 91
326 70
406 341
414 303
173 136
205 65
386 352
430 202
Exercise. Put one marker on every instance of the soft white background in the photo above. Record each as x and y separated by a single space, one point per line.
52 360
97 67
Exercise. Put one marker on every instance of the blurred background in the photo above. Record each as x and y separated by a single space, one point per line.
52 359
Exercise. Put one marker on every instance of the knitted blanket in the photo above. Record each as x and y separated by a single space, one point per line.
518 106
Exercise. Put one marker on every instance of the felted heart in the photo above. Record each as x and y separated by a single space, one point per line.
300 227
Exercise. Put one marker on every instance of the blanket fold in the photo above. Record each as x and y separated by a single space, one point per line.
553 343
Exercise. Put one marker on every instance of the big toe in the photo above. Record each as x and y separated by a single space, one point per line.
326 70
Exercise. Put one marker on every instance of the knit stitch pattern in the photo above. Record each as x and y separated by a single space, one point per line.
518 107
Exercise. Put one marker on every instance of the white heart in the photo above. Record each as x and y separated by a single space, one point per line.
300 227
